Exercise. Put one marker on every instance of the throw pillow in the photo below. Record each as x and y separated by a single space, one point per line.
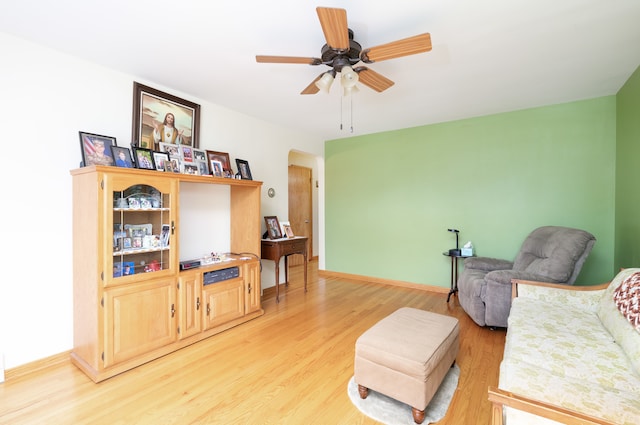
627 299
623 333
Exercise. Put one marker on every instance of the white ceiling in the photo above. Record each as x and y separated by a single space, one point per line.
488 56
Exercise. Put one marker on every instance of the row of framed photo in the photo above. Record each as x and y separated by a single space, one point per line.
103 150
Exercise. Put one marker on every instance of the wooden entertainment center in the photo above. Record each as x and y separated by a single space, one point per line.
132 303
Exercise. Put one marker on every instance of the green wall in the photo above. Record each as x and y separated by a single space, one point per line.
390 197
627 251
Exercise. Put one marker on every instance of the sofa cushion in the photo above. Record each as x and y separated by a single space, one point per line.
623 332
567 341
534 381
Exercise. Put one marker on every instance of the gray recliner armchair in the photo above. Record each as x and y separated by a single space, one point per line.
549 254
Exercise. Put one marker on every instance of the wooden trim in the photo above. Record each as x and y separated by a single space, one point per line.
500 398
38 365
391 282
581 288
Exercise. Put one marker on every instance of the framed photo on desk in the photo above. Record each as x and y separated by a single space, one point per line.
273 227
286 229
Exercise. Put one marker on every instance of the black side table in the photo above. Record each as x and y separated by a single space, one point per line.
454 272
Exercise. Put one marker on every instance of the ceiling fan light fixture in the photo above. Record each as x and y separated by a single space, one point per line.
350 90
324 83
349 77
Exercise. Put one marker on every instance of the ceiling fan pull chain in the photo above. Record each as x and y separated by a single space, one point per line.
351 99
341 114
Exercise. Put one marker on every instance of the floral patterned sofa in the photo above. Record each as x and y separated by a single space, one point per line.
572 354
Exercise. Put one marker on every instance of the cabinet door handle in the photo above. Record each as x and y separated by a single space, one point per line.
249 288
198 303
173 310
208 309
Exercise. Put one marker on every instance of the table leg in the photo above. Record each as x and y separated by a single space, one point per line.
454 277
286 270
305 270
278 279
455 271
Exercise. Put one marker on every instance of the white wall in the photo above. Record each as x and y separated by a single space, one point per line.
47 97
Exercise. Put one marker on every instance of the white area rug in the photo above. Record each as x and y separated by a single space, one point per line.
391 412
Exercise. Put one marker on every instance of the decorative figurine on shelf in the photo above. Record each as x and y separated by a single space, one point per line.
153 266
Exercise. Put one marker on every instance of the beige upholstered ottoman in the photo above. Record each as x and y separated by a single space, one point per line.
406 356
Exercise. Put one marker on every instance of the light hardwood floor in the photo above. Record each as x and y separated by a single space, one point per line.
290 366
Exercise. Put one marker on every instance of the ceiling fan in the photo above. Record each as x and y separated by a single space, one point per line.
342 53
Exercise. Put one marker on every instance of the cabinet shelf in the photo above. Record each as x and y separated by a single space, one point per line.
134 251
142 210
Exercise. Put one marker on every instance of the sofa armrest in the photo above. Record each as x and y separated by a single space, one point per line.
587 297
500 398
487 264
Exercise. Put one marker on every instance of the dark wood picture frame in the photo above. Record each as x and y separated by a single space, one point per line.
243 169
273 227
151 108
91 146
127 161
144 158
223 157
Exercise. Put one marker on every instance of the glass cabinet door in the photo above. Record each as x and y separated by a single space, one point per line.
142 226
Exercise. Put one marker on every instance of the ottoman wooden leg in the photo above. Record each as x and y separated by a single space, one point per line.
418 415
363 391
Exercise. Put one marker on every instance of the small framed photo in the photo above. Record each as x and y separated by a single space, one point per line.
199 155
160 159
164 235
203 168
286 229
175 165
243 169
273 227
122 156
128 267
96 149
223 157
216 168
187 153
190 168
172 150
144 158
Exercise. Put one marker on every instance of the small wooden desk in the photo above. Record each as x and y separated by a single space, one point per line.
274 249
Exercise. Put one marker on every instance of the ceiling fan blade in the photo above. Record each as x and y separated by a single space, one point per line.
312 88
372 79
288 59
405 47
334 27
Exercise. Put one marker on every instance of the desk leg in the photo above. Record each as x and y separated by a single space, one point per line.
286 270
454 277
305 270
278 279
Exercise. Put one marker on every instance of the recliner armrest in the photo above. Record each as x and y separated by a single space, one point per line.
505 276
487 264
